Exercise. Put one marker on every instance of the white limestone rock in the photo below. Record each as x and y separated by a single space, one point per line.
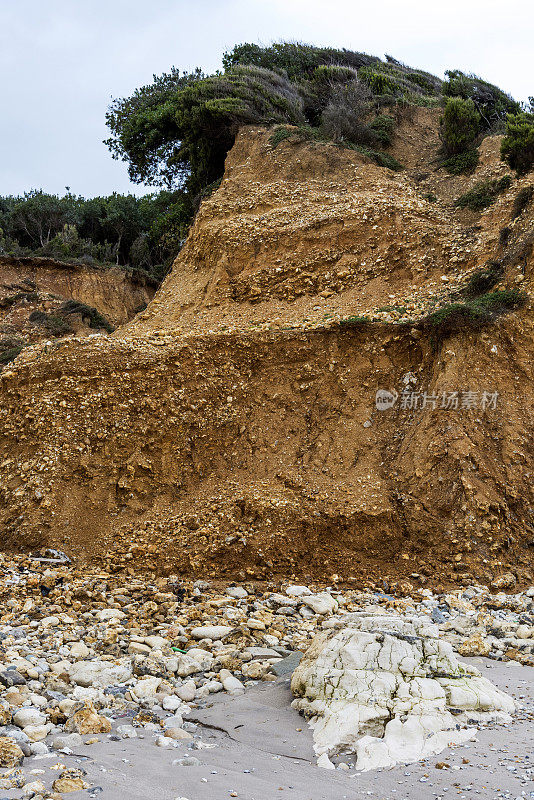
237 592
145 688
213 632
127 731
297 591
231 684
389 690
29 716
172 703
100 673
79 650
185 692
322 603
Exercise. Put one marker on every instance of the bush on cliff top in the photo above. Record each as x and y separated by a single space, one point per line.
460 125
178 129
517 147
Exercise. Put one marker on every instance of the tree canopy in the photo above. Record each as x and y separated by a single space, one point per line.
139 232
175 132
517 147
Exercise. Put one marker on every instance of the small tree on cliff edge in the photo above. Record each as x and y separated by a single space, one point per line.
517 147
460 125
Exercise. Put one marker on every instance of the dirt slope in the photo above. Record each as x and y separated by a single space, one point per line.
34 289
303 232
231 429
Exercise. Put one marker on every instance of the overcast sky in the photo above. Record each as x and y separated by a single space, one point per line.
63 60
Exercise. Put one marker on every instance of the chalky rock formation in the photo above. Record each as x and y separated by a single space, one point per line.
389 690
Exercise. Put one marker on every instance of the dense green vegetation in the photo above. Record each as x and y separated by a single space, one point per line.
460 125
491 103
175 132
143 233
472 314
517 147
473 109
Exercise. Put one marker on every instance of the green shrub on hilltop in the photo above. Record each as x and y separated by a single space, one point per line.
175 133
491 103
378 82
460 125
192 121
343 119
517 147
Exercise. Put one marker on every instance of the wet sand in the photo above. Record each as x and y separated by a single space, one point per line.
260 749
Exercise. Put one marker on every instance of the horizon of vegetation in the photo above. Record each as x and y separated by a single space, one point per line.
174 135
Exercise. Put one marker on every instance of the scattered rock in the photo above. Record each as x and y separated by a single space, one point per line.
87 720
213 632
11 754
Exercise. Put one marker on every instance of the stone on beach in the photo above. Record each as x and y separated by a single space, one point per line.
11 754
211 632
87 720
389 690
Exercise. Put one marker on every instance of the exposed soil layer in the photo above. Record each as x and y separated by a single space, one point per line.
34 289
230 430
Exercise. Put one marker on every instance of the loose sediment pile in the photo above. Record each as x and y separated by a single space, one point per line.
231 430
84 656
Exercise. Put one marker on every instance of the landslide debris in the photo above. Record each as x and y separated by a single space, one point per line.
231 429
89 655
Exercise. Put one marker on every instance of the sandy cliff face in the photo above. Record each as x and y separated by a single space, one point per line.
29 285
231 429
303 232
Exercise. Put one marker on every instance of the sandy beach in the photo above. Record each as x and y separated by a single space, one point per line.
255 747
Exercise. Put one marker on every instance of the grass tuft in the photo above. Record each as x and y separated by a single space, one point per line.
278 135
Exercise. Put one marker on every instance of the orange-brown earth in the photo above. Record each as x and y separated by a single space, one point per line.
230 430
29 285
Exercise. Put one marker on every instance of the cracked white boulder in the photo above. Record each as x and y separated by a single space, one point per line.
387 689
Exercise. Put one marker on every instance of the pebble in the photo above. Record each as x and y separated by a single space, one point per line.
213 632
131 650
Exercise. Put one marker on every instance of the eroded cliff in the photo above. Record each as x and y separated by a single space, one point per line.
231 429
